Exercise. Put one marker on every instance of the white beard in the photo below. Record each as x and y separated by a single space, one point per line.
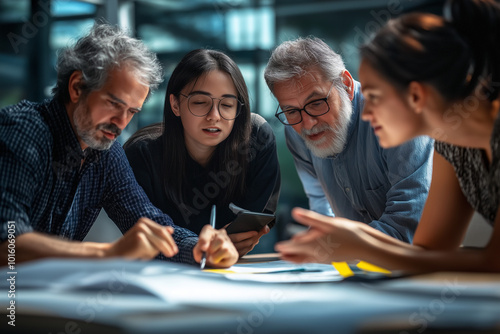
338 132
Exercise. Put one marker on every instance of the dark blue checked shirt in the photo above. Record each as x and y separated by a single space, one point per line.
44 186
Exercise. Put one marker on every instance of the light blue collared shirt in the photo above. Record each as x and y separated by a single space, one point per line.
385 188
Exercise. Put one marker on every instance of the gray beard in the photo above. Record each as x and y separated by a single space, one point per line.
339 131
88 134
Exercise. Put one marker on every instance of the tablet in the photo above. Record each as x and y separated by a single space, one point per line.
248 220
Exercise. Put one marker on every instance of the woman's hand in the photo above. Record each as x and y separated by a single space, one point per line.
328 239
220 251
246 241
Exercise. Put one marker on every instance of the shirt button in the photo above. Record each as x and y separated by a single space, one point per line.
347 189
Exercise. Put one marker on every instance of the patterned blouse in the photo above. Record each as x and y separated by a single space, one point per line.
479 180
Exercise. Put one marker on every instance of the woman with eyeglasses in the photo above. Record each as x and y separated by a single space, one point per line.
427 75
210 149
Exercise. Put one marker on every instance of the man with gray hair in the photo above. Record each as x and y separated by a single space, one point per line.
60 163
343 169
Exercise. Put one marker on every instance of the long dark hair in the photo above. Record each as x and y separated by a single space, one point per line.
455 54
232 150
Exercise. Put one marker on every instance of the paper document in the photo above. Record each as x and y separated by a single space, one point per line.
280 272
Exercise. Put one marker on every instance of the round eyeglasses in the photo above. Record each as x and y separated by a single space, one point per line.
200 105
314 108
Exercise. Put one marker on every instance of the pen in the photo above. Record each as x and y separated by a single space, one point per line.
212 223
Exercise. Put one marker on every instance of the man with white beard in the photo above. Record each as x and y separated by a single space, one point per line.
344 171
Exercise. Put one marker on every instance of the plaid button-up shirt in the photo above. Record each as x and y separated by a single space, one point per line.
45 187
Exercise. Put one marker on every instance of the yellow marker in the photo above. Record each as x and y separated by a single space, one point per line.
343 269
371 267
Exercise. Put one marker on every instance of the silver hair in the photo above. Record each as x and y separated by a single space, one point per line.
103 49
293 59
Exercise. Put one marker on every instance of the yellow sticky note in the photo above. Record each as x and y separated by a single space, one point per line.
371 267
220 271
343 269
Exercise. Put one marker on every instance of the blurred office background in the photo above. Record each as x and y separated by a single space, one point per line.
33 30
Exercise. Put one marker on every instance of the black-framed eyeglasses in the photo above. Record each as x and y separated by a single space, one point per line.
200 105
314 108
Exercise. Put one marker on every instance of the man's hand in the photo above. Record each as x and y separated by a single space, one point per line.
220 251
145 240
246 241
328 239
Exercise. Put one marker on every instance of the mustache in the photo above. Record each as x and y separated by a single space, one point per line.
110 128
316 129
